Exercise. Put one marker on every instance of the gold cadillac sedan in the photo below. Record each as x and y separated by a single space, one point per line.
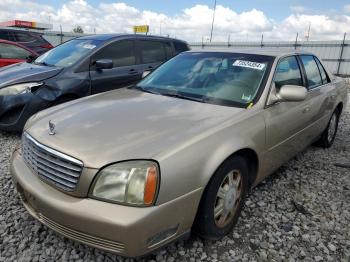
131 170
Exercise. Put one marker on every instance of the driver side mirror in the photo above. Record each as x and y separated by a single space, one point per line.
104 64
292 93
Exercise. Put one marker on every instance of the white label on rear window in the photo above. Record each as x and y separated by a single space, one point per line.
249 64
88 46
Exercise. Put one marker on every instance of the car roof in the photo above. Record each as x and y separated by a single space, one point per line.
20 30
275 52
107 37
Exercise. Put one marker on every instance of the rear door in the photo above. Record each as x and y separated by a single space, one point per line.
153 53
125 69
11 54
320 90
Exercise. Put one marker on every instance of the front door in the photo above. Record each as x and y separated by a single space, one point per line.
125 71
286 122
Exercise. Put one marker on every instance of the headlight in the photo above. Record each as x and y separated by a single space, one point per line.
132 182
18 89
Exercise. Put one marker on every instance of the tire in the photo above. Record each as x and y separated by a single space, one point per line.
222 195
328 136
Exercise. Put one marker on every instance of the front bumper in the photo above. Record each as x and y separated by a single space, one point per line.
15 110
128 231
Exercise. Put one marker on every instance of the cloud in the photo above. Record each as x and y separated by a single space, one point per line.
191 24
347 8
298 9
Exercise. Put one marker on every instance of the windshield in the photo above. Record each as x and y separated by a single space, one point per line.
230 79
68 53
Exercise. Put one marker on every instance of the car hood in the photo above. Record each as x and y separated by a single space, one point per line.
125 124
25 72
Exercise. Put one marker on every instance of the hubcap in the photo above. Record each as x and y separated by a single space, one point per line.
228 198
332 128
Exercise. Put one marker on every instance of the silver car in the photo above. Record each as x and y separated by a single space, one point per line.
131 170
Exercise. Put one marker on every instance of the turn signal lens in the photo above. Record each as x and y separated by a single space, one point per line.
151 186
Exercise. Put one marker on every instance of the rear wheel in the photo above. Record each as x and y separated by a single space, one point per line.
328 136
223 199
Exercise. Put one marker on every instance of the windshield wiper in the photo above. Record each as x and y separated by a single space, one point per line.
145 90
179 95
43 63
175 94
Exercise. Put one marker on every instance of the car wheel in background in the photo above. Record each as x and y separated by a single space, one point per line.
328 136
223 199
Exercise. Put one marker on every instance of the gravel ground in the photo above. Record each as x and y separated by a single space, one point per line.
302 212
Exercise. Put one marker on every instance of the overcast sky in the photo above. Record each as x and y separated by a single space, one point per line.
191 20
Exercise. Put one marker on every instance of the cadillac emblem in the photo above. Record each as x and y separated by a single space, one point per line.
52 128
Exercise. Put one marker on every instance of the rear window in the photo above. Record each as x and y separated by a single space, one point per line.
24 37
312 73
324 76
180 47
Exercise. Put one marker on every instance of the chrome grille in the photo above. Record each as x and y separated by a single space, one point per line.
52 166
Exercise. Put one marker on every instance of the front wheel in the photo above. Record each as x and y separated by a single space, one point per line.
328 136
223 199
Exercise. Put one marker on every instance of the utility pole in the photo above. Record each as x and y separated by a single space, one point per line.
212 24
296 41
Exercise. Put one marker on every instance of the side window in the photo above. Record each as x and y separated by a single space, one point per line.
5 35
24 38
13 52
312 73
325 78
122 53
168 50
288 72
152 52
180 47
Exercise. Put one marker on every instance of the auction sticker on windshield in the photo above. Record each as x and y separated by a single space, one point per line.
249 64
89 46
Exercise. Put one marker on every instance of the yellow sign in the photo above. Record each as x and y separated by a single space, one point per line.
141 29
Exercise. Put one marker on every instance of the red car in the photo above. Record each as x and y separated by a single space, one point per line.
12 53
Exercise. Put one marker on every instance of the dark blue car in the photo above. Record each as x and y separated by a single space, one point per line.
78 68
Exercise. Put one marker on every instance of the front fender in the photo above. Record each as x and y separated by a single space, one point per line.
192 166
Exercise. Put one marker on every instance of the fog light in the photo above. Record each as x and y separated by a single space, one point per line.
159 237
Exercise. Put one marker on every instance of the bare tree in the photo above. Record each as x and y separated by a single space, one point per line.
78 29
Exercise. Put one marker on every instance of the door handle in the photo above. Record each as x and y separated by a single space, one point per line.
306 109
150 67
333 96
